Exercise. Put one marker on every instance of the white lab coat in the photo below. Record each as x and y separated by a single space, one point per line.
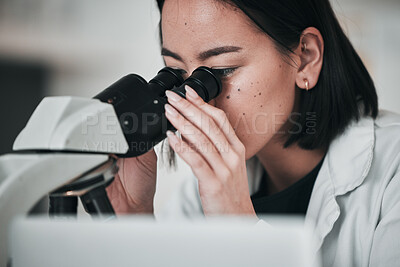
355 202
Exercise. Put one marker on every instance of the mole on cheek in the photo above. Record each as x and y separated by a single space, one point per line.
238 89
228 96
186 24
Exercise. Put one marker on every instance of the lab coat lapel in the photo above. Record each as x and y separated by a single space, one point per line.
345 167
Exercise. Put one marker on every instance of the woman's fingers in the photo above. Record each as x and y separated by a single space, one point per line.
196 139
200 120
199 165
208 127
218 116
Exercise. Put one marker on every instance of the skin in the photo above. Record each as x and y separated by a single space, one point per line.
249 118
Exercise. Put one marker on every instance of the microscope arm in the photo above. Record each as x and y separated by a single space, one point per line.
26 178
73 136
73 124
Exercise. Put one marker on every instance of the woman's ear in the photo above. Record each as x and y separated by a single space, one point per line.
311 53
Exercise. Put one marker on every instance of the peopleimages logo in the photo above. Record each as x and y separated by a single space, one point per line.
109 146
106 123
259 123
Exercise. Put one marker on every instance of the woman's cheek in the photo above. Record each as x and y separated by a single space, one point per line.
247 112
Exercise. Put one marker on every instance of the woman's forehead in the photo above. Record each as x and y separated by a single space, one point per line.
198 12
204 21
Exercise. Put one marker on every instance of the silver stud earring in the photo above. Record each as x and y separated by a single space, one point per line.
304 47
306 84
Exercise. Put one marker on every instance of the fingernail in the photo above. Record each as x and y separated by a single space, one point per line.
191 93
172 96
170 110
169 133
171 137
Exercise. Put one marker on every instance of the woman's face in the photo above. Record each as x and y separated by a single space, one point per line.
258 92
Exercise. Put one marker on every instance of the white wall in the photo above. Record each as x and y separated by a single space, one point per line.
374 29
90 44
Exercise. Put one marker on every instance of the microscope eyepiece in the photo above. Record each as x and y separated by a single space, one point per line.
132 90
139 105
165 79
204 81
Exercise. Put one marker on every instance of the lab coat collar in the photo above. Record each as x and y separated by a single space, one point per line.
345 167
350 156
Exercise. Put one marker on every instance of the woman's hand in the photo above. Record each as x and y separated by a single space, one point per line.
134 186
211 148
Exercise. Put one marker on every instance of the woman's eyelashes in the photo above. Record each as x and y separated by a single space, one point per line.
220 72
224 73
181 71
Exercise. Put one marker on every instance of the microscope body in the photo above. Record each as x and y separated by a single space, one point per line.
68 147
145 125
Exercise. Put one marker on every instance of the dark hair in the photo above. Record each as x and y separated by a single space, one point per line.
343 80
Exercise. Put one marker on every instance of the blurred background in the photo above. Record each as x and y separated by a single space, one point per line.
80 47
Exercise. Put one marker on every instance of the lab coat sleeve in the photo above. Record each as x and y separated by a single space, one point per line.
185 202
386 242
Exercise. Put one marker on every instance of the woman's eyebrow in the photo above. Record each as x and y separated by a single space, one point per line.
203 55
168 53
218 51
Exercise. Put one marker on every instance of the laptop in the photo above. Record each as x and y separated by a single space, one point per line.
143 241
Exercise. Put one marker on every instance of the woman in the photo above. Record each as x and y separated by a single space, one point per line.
296 128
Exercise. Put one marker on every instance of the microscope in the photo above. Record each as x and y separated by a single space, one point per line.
70 145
